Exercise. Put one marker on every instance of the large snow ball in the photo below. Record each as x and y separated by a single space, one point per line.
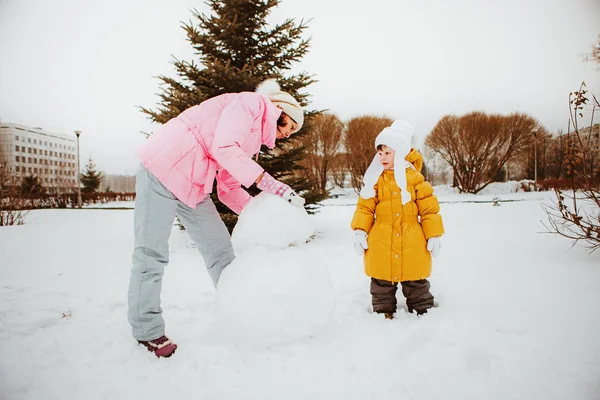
271 296
269 220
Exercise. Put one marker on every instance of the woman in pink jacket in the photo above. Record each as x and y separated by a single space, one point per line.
214 140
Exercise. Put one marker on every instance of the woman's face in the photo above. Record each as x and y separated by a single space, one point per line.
286 127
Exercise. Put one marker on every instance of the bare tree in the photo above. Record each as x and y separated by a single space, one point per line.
339 169
14 206
359 144
576 215
594 54
556 156
322 143
534 154
435 167
477 145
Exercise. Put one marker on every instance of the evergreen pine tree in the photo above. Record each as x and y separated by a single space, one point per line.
31 184
236 50
91 178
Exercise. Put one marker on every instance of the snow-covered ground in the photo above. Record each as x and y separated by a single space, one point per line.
518 316
112 204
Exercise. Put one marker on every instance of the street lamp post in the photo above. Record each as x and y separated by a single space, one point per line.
77 133
534 132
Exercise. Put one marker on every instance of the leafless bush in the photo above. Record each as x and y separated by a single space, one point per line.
359 142
322 143
14 206
576 214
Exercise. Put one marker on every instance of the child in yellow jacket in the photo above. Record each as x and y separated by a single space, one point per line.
397 223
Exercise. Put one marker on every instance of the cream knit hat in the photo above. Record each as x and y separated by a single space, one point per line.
288 104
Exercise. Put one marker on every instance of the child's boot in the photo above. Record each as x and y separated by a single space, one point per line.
419 312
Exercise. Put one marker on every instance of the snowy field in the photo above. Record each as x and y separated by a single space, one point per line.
517 318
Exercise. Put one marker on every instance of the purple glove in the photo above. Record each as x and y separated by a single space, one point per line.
271 185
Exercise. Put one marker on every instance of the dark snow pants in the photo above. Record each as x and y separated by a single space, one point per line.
418 296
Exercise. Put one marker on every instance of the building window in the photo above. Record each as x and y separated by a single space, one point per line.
29 160
16 148
29 141
17 158
29 150
17 168
35 170
29 169
16 138
34 151
45 152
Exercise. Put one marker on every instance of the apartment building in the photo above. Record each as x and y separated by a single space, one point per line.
591 138
33 151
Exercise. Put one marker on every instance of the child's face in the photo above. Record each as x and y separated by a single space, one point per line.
386 157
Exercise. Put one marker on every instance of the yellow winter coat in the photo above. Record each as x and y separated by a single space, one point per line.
397 234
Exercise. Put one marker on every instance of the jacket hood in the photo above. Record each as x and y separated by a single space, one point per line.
416 159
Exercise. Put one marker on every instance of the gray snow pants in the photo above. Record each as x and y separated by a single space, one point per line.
155 211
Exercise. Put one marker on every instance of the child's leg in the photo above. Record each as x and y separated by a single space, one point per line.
383 296
418 296
155 208
209 233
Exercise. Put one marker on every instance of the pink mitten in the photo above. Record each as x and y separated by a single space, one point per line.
271 185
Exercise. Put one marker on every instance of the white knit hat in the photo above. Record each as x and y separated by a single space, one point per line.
288 104
397 137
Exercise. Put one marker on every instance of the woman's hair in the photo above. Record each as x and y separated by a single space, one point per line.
380 147
281 121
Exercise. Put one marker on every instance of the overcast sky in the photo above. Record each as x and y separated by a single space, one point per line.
73 64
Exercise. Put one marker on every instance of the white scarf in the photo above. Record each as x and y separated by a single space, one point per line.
397 137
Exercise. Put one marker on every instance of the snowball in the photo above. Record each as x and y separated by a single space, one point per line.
271 296
275 291
268 220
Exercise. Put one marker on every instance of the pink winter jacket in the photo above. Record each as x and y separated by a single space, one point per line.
215 139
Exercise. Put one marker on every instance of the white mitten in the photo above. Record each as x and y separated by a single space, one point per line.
434 245
360 242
